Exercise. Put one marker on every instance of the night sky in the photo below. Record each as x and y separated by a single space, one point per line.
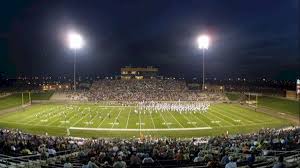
251 39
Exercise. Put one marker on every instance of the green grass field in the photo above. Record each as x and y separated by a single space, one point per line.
279 104
15 99
12 100
42 95
233 96
121 121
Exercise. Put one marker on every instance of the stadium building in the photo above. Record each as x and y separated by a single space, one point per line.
129 72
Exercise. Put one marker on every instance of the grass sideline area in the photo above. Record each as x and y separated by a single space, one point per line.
119 121
42 95
15 99
233 96
280 104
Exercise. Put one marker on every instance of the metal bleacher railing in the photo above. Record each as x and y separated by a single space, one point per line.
27 161
292 157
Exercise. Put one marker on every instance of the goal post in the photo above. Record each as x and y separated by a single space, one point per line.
252 99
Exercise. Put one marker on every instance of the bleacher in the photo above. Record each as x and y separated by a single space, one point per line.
34 161
263 147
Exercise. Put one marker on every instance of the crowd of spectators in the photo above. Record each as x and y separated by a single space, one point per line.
226 151
145 90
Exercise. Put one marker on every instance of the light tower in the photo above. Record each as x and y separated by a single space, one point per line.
203 43
75 42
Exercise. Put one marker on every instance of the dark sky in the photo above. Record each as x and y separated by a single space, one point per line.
257 38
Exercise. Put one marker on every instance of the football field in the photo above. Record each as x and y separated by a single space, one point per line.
98 120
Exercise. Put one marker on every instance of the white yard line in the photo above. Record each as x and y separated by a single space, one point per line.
79 119
161 129
201 120
52 110
123 129
55 120
222 119
128 119
72 116
175 119
224 116
104 118
188 120
241 113
31 116
164 120
245 118
68 111
209 119
116 118
152 120
140 120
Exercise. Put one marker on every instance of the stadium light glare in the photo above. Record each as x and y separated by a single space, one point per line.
75 40
203 42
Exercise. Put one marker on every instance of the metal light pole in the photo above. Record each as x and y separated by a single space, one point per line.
203 78
74 80
75 42
203 43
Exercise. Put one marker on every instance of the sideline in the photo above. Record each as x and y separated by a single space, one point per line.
153 129
274 113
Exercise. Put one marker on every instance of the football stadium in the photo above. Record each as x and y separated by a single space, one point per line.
194 114
142 84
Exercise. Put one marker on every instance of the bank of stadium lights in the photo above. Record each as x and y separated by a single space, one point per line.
203 44
75 42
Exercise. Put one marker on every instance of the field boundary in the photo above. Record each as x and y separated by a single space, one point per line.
129 129
275 113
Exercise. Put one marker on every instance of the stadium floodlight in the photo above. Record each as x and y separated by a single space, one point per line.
203 43
75 42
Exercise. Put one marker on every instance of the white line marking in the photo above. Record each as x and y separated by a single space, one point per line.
200 120
221 119
187 119
104 118
176 119
152 120
80 118
116 118
128 119
123 129
164 120
140 120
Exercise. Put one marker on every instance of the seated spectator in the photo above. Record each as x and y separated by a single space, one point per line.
147 159
92 163
68 164
51 151
231 163
280 163
134 160
251 159
198 158
119 163
225 159
85 164
214 163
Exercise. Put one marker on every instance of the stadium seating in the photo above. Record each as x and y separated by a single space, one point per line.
143 90
266 146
